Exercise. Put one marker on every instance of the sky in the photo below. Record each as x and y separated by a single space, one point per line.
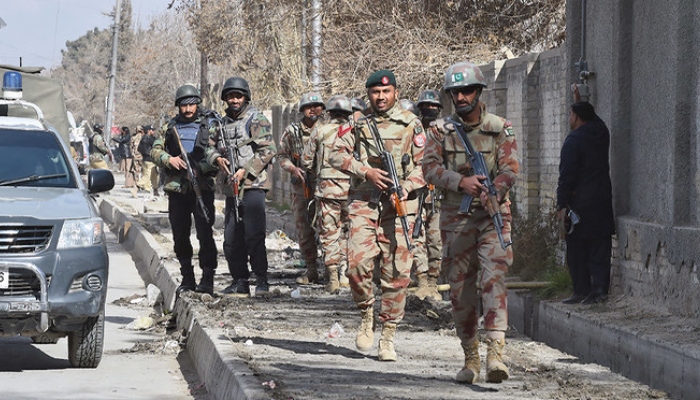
37 30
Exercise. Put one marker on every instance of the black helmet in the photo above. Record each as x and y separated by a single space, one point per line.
358 104
237 84
187 92
97 128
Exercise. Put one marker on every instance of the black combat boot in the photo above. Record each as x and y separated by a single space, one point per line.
262 288
240 287
188 283
206 285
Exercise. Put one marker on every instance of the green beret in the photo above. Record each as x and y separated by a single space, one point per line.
383 77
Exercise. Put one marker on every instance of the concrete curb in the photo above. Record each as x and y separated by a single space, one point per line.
673 368
225 377
652 361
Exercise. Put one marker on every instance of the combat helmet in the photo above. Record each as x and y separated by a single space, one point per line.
97 128
310 99
358 104
339 103
463 74
408 105
236 84
429 96
186 92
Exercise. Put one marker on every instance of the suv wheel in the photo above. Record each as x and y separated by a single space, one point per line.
85 345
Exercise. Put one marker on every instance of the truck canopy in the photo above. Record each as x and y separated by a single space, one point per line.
46 93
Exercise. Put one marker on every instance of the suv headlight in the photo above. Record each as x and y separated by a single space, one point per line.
81 233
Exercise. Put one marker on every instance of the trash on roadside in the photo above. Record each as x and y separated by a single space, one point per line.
152 294
278 240
248 342
141 324
336 331
296 293
271 384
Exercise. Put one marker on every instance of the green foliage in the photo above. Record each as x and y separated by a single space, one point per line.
560 282
534 245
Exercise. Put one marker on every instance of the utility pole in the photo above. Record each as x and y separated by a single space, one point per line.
113 72
316 45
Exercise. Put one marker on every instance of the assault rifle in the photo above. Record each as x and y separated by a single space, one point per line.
394 191
432 194
230 153
476 159
297 150
418 225
191 176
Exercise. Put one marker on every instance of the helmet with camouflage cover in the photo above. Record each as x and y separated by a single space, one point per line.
358 104
408 105
311 99
429 96
187 94
339 103
463 74
235 84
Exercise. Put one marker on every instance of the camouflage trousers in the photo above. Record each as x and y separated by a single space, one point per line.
98 164
331 219
378 240
427 254
306 236
464 252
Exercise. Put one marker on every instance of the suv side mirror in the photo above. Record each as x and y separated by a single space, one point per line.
100 180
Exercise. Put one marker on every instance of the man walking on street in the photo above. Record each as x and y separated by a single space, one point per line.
469 237
245 148
292 142
585 192
149 176
187 198
377 233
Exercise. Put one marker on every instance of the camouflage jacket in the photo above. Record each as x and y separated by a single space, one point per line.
167 146
445 162
292 142
249 136
330 182
354 153
98 148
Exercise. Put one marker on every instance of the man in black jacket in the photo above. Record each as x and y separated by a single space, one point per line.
584 193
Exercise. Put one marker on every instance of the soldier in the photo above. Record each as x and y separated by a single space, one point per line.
292 143
98 148
470 241
149 177
427 258
243 154
185 198
376 233
331 192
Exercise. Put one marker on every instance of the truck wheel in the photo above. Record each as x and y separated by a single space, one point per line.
85 346
44 339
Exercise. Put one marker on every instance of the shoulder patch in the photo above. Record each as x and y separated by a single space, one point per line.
508 126
419 139
343 129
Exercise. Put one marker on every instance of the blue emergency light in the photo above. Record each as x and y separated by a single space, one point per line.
12 85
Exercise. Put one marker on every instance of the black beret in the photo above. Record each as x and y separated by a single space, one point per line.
383 77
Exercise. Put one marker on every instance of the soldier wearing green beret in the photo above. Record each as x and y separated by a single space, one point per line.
376 234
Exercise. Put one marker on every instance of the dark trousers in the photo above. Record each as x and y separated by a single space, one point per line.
589 263
181 207
244 240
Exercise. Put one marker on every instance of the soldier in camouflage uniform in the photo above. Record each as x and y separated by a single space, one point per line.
98 148
469 240
292 143
244 153
427 258
376 233
194 136
331 192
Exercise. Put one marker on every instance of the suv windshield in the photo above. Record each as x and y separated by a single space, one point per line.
33 158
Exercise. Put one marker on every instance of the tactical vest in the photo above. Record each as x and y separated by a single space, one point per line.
188 134
483 139
327 135
237 135
393 139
